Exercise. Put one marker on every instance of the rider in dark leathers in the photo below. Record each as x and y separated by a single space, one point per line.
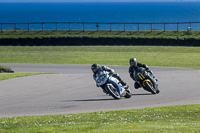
96 68
133 65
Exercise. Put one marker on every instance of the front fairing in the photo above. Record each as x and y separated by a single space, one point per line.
153 80
139 74
101 78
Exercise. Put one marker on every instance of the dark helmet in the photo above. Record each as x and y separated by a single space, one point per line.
95 67
133 62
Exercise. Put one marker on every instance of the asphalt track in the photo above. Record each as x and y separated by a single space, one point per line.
73 90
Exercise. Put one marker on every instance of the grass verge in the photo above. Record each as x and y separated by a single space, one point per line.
173 119
101 33
4 67
111 55
5 76
163 119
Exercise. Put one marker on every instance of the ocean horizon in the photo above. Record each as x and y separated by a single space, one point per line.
111 12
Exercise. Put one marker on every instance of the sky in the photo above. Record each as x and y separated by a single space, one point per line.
99 0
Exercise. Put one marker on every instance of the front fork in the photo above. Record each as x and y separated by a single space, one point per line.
116 84
153 80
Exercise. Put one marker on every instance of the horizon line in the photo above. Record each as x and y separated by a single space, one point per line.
92 1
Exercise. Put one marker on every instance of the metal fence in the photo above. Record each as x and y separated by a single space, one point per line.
100 26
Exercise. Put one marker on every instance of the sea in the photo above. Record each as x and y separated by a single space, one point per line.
93 15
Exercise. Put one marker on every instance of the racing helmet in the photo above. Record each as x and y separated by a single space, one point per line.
133 62
95 67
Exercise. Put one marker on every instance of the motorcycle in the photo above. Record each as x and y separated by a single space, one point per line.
112 85
146 80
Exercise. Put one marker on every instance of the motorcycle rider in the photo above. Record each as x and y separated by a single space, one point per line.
133 65
96 68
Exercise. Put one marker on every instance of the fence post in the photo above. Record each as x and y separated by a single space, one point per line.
42 26
56 26
164 27
110 27
97 27
151 26
28 27
124 27
15 27
83 26
138 27
177 27
1 27
190 26
69 26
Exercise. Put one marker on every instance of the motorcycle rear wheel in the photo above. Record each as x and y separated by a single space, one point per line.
128 94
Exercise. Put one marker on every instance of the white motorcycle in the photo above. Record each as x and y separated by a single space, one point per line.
112 85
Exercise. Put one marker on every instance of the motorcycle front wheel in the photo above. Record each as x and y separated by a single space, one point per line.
149 87
113 91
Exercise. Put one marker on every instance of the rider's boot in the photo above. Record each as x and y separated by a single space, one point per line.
121 81
124 84
136 85
126 87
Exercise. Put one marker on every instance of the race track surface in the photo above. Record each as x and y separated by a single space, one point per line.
73 90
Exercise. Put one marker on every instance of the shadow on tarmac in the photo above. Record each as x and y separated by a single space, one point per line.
88 100
141 94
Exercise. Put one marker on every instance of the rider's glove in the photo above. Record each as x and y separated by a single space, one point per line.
150 71
112 71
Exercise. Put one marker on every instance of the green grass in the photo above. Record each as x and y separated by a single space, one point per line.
4 67
173 119
163 119
5 76
111 55
100 33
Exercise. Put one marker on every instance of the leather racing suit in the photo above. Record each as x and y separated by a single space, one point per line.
131 71
111 71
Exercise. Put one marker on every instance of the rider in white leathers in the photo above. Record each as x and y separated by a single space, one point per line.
96 68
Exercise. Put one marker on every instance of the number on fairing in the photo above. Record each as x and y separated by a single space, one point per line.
101 79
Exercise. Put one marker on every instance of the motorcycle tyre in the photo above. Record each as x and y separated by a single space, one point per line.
110 92
149 87
128 94
158 91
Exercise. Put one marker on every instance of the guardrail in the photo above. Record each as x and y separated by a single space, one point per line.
105 25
